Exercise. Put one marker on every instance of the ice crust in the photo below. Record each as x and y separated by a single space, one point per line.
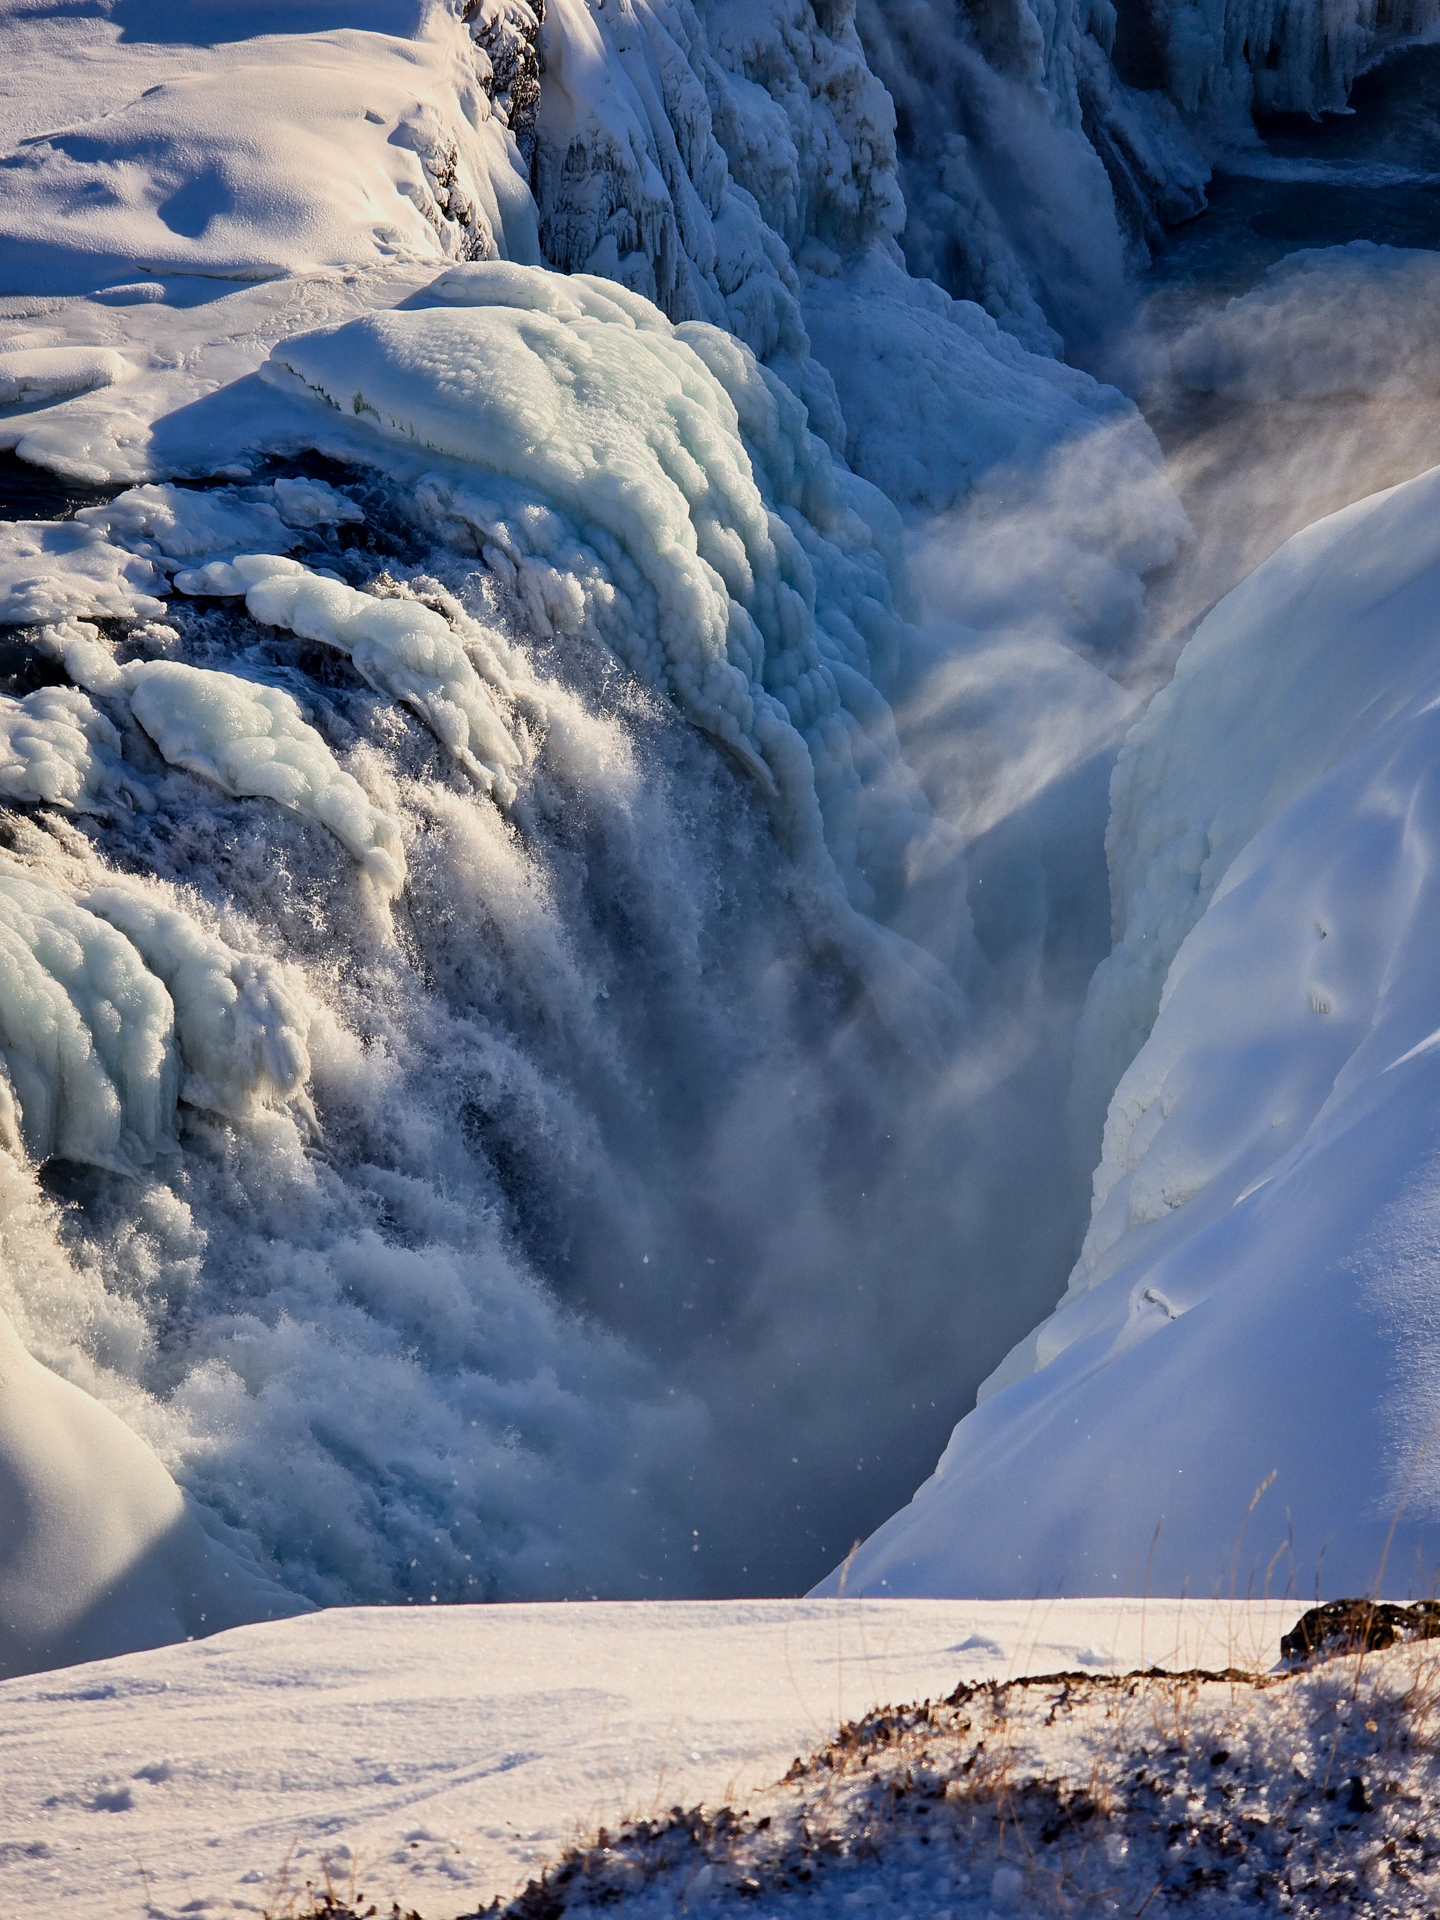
1264 1206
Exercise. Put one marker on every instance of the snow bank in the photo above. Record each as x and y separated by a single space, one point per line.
1327 320
252 740
269 156
1348 611
489 1732
1265 1202
742 569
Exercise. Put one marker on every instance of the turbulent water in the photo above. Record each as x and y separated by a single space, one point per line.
656 1200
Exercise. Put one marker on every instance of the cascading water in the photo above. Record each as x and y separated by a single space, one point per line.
547 922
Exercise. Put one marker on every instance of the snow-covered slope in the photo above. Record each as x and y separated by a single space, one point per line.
1253 1308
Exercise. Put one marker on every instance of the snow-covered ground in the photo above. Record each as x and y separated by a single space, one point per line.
447 1755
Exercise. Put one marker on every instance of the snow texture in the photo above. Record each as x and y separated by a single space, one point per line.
267 156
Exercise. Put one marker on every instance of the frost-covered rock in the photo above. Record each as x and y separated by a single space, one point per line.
251 740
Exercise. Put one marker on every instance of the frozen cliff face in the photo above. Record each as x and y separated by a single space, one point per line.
1225 59
1029 171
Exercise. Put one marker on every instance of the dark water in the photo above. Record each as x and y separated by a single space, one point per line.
33 493
1371 174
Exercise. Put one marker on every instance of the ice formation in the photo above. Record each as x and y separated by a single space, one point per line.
738 565
55 747
51 572
402 647
252 740
240 1026
166 523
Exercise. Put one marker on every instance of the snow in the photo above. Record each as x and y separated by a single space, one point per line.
448 1753
1264 1205
50 373
271 156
